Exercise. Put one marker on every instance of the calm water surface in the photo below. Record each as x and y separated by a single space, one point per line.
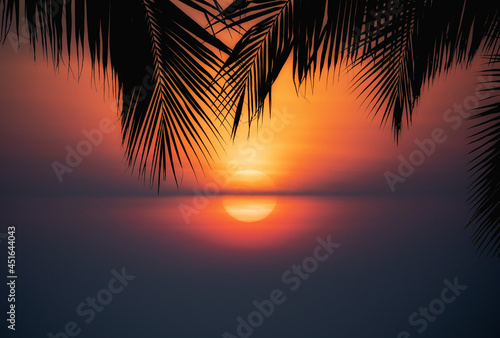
195 279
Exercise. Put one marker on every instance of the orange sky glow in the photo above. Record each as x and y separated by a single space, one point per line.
320 139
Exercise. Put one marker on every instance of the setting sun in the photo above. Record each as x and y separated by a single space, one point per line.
241 201
249 208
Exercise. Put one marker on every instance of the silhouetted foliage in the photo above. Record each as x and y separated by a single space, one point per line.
485 174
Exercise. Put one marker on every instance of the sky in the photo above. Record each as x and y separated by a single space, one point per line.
320 141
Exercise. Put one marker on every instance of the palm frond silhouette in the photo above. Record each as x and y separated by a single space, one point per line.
160 60
485 174
399 46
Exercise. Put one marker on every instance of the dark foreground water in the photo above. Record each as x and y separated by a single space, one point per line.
119 267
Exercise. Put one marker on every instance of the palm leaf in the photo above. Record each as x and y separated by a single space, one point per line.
319 35
415 47
257 58
484 189
277 30
162 125
174 124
